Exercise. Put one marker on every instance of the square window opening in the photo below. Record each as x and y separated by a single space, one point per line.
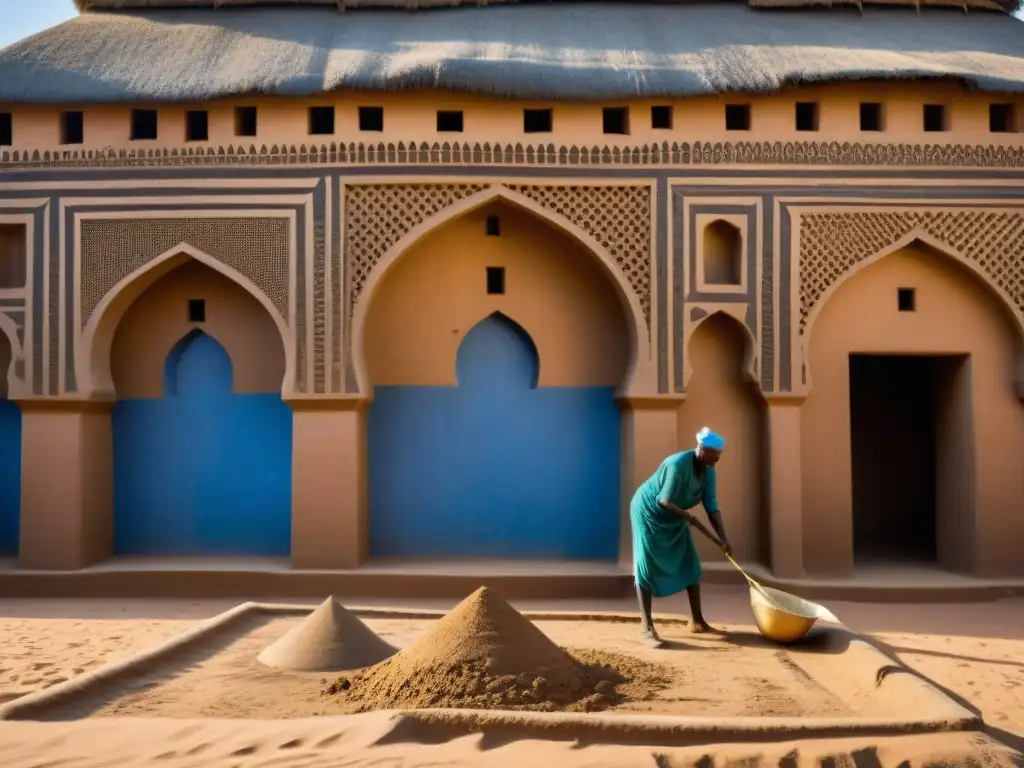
197 310
72 127
496 281
197 125
871 116
371 119
246 121
449 121
493 226
321 121
144 125
935 118
6 129
538 120
616 120
905 299
806 116
661 118
737 117
1002 118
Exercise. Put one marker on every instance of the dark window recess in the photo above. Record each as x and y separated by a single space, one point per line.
496 281
934 117
72 128
661 117
449 121
538 120
806 116
905 299
616 120
197 310
493 226
144 124
737 117
197 125
870 116
1001 118
6 129
246 121
321 121
371 119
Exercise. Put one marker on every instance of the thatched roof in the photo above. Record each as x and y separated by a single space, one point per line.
86 5
564 51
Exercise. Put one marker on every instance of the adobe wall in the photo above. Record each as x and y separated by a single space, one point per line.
319 257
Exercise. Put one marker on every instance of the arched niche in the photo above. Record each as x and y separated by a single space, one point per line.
720 394
722 254
10 353
197 366
10 453
905 402
160 278
553 257
497 354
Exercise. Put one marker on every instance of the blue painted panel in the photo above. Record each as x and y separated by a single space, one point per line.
495 466
202 471
10 477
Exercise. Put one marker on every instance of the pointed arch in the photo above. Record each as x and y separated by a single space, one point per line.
92 359
474 362
15 386
916 236
749 347
639 346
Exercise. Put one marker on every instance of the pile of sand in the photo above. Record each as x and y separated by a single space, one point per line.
483 655
329 639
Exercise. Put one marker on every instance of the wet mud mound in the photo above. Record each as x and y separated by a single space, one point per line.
486 655
330 639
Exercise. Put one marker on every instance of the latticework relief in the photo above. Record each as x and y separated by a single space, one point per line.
379 215
831 244
112 249
618 218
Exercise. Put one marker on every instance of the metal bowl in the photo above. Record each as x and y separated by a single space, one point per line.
781 617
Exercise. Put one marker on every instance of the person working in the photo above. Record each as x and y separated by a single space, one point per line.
665 560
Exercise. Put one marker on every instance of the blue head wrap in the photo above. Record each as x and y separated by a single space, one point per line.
710 440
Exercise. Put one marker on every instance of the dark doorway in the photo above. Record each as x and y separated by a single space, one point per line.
894 433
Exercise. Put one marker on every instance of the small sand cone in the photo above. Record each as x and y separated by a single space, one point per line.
329 639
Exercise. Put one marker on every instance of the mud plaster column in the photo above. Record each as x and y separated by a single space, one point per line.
329 518
649 435
784 493
67 484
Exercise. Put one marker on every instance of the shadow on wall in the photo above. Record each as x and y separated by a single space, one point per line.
495 466
201 470
720 395
10 459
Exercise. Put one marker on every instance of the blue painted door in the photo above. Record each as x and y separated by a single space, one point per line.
10 477
202 471
495 466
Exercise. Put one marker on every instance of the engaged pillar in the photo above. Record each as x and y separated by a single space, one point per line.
785 493
67 488
649 436
329 520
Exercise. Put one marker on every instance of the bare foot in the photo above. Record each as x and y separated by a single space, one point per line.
703 628
650 637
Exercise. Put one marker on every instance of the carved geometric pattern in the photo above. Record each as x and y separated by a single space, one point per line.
319 299
112 249
831 244
466 154
619 218
379 215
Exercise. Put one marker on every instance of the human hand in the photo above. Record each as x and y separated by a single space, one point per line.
726 547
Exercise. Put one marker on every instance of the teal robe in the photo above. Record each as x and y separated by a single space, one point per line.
665 560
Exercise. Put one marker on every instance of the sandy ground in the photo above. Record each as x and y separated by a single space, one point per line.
973 651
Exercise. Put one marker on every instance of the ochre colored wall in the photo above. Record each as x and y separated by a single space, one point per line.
955 315
159 318
411 116
554 289
719 396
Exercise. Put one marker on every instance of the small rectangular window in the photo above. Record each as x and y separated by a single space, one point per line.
934 118
737 117
806 116
449 121
538 120
870 116
144 124
661 118
197 310
493 226
1002 118
905 299
321 121
72 127
371 119
197 125
496 281
6 129
246 121
616 120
